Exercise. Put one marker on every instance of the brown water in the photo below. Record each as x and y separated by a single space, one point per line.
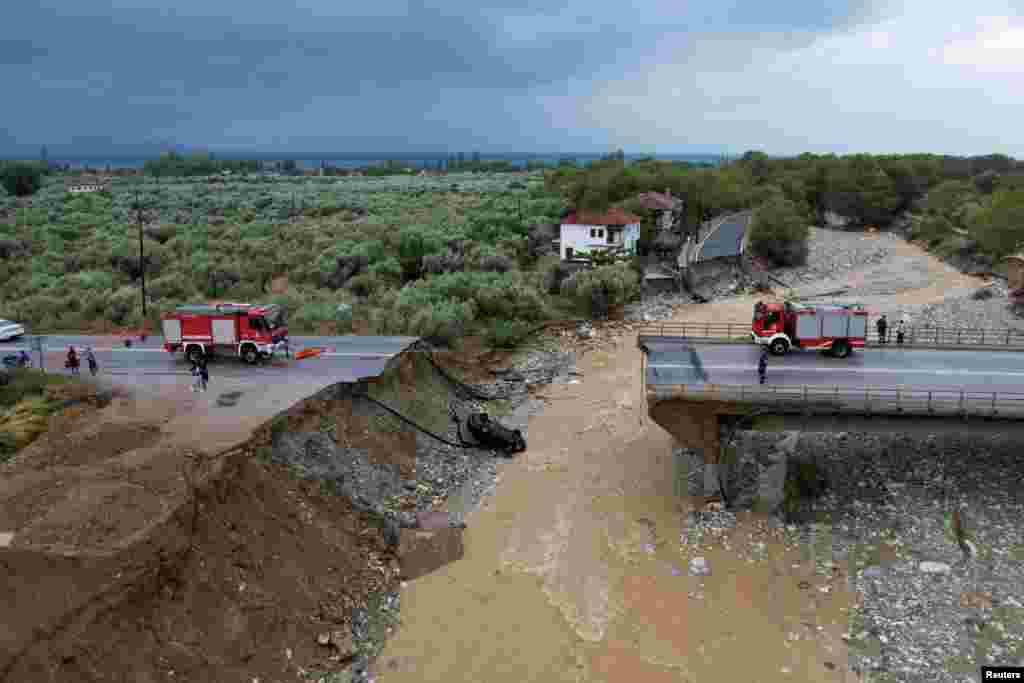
574 572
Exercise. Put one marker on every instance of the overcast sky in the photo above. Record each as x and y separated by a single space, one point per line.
669 77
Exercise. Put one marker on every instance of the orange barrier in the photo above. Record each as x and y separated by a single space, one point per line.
308 353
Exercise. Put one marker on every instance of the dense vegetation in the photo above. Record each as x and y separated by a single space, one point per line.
22 178
198 164
441 256
71 261
979 196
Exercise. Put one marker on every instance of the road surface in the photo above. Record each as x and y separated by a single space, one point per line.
927 370
345 359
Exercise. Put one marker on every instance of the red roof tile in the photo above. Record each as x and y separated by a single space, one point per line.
657 201
613 216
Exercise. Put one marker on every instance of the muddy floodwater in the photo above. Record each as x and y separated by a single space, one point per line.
574 569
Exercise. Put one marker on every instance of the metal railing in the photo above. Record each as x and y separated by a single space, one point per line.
863 401
928 337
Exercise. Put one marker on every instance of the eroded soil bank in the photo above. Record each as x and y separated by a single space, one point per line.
130 554
574 570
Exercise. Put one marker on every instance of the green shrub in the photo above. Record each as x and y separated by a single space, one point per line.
999 229
161 233
8 446
387 268
21 179
25 384
93 280
601 288
506 334
366 284
170 287
933 229
312 314
945 198
125 306
780 233
41 281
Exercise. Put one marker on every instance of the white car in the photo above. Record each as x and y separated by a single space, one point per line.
10 330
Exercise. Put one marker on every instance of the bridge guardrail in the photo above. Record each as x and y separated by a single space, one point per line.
924 337
863 401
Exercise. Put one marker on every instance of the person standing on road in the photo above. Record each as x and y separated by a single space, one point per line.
882 325
762 365
72 361
90 358
204 374
196 379
900 332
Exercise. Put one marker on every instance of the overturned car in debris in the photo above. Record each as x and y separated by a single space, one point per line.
489 434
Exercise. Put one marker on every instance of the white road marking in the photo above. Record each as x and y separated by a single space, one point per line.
893 371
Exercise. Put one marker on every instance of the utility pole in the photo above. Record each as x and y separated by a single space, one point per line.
142 256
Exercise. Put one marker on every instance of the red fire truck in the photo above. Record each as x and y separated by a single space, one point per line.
835 328
251 331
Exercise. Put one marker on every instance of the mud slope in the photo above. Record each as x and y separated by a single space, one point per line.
134 558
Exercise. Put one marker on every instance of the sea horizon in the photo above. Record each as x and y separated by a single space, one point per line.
341 160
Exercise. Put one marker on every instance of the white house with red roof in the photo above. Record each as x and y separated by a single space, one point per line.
583 232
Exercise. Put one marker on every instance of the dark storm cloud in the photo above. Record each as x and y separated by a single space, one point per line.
134 69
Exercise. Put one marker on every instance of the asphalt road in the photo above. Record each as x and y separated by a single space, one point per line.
345 358
918 369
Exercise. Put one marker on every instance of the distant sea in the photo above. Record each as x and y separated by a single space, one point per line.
307 160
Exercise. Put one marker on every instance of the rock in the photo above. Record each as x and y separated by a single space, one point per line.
584 331
934 567
976 599
423 551
982 294
433 520
324 639
343 642
699 567
873 572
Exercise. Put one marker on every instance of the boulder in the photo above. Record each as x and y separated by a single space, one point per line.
422 551
430 521
982 294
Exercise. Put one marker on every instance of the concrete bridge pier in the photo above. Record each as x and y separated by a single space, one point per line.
696 426
706 425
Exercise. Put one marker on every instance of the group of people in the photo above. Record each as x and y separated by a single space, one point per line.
72 363
883 331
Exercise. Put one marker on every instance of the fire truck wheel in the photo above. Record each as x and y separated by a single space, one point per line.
250 355
779 347
840 349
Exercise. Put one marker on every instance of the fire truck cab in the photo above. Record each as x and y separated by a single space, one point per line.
250 331
834 328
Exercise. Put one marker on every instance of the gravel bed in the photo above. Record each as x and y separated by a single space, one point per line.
971 313
928 613
655 308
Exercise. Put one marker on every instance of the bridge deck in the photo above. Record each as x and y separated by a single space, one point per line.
942 338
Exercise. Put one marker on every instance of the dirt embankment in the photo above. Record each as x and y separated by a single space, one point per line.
127 557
